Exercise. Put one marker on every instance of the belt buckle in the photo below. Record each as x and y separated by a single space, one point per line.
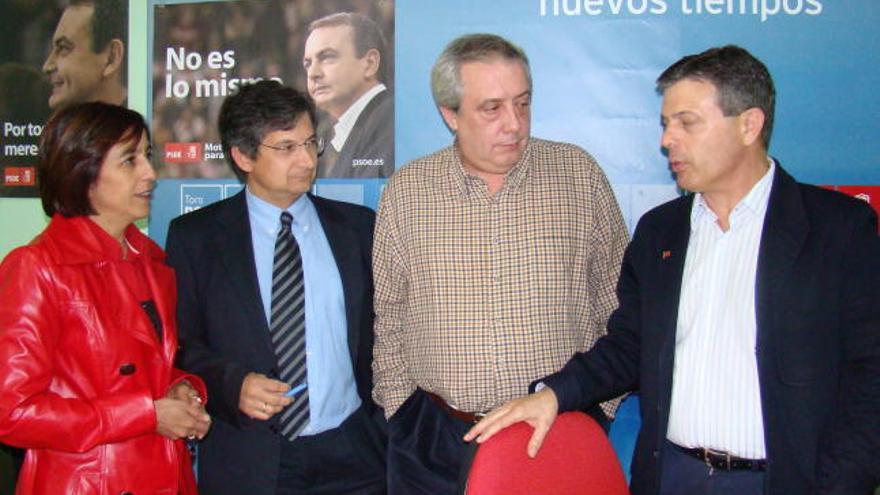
708 458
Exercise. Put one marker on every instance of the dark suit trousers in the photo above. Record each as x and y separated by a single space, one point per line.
425 451
349 459
682 474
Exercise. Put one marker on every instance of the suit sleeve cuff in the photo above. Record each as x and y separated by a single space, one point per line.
565 386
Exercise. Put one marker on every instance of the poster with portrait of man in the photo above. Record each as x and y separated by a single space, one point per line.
340 51
54 54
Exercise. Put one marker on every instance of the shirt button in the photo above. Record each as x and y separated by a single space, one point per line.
127 369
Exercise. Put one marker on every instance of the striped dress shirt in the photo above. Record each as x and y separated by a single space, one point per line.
478 295
716 399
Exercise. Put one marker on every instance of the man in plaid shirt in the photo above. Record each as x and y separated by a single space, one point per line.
495 260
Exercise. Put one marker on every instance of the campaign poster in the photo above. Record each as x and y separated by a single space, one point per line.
204 51
53 55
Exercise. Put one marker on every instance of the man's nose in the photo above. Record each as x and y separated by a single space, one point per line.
305 156
513 117
49 64
667 138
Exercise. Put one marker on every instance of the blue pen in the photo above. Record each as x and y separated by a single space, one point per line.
295 390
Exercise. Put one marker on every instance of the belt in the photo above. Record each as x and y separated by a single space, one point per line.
471 418
722 460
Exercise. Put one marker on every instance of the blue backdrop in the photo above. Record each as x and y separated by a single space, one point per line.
594 64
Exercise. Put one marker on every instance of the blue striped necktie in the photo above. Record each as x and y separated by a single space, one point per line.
288 325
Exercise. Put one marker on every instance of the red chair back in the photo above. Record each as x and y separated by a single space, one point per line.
576 458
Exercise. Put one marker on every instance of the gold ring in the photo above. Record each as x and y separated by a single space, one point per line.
265 407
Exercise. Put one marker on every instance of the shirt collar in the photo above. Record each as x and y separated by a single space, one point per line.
347 120
109 246
754 203
464 180
266 217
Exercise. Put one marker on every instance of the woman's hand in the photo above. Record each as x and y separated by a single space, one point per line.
181 418
183 390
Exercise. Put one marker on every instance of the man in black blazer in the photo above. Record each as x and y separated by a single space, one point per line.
230 272
786 275
345 61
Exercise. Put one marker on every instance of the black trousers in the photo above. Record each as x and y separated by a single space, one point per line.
685 475
349 459
425 451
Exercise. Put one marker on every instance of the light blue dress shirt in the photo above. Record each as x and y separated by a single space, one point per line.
332 389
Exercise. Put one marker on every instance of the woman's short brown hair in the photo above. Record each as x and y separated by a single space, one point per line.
73 146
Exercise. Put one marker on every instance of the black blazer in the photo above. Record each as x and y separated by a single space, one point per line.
371 139
224 334
817 304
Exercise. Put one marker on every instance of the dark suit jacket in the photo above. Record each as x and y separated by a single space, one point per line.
224 333
371 140
817 305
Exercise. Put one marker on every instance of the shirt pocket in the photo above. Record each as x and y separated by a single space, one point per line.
555 278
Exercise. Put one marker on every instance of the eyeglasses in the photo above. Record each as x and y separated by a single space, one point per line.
287 149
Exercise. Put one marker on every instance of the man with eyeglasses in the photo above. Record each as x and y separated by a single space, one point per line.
275 309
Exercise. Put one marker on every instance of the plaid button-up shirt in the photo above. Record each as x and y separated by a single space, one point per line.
478 295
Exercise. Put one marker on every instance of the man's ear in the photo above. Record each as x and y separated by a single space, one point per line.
751 124
241 159
372 61
115 55
450 116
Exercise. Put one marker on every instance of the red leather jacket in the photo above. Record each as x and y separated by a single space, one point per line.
81 364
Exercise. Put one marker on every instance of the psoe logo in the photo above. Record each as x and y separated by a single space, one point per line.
19 176
183 152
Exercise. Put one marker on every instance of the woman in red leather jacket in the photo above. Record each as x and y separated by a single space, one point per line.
87 324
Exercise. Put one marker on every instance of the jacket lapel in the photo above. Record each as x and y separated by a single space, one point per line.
233 239
783 236
160 280
129 313
344 246
673 247
672 252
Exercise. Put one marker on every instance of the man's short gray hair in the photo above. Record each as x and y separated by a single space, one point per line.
482 47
